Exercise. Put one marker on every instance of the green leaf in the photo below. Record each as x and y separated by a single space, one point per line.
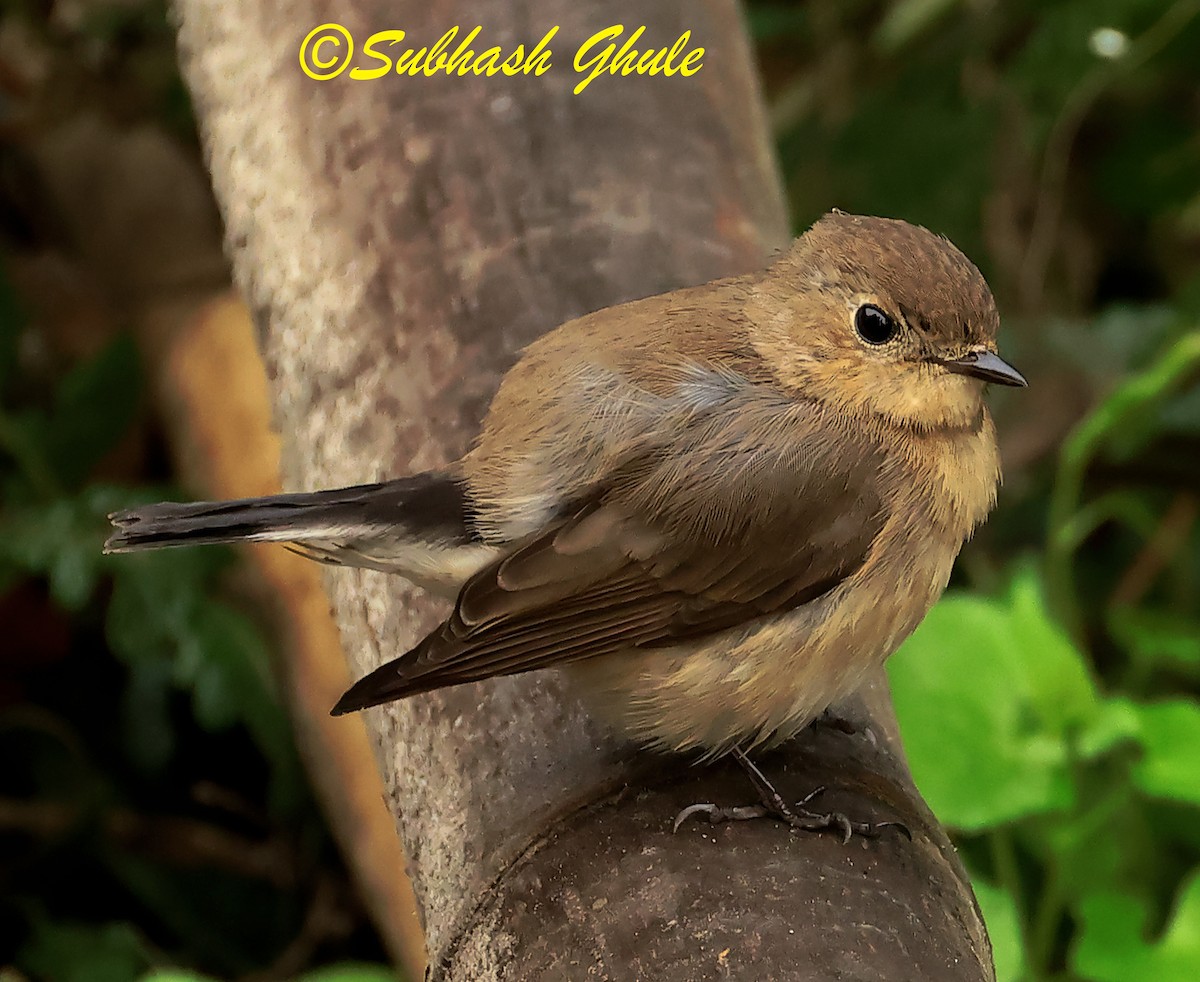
156 596
65 951
1059 684
161 612
1157 637
210 912
1112 946
230 679
987 692
93 408
1116 722
1170 738
1003 922
60 540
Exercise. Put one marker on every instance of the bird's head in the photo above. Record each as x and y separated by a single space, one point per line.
876 315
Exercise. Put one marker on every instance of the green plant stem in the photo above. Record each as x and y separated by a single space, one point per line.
1044 922
1008 874
1133 397
1113 507
1053 901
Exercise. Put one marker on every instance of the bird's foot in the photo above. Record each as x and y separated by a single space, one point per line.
797 816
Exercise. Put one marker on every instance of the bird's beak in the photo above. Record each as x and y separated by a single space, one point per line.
985 365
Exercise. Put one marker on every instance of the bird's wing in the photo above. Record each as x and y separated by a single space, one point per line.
671 547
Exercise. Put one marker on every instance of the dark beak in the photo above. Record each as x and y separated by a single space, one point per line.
985 365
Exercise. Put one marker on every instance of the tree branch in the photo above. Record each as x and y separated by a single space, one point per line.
399 240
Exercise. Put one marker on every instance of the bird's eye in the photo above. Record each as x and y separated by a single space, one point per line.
873 325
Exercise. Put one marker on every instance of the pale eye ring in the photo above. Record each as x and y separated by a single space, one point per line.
873 325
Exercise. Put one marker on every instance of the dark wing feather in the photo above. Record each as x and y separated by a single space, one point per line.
653 561
329 526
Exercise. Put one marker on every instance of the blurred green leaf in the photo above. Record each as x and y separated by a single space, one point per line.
71 952
1157 637
986 692
162 612
93 408
230 678
1116 721
1112 946
154 600
55 448
1004 930
211 914
58 540
1059 682
1170 737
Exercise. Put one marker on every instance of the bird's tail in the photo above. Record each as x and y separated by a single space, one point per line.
428 508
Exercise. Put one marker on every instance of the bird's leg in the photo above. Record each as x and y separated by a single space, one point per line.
797 816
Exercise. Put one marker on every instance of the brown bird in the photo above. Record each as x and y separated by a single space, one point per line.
719 508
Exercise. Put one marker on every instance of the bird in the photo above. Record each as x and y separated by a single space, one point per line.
717 509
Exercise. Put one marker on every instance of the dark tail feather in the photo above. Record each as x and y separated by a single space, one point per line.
431 506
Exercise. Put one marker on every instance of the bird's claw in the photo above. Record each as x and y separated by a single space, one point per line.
796 817
716 814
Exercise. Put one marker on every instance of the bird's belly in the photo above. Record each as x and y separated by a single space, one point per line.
761 684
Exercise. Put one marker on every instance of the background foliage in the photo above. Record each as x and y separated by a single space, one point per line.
1049 704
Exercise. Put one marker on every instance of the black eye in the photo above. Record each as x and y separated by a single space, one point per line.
873 325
